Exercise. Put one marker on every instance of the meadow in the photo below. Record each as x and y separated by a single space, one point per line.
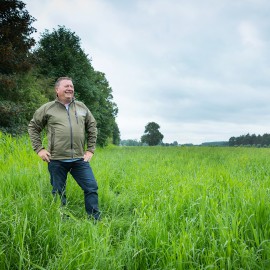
162 208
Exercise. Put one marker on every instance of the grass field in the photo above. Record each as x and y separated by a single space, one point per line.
162 207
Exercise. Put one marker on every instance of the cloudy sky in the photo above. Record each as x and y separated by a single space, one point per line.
200 69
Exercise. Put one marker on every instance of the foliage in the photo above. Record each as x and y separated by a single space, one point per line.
15 40
130 142
218 143
116 134
59 54
163 208
19 93
18 106
175 143
152 135
250 140
103 108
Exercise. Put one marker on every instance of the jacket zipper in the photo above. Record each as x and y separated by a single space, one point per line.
71 134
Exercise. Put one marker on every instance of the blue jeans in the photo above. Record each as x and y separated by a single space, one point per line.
83 174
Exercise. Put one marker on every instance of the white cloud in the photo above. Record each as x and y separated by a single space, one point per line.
250 36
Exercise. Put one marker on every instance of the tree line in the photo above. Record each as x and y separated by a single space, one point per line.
29 68
251 140
152 136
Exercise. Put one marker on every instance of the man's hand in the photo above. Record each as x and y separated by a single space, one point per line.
87 156
44 155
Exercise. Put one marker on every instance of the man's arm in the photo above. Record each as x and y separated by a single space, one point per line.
35 127
91 129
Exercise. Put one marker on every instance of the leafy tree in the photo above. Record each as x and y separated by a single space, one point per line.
59 54
232 141
253 139
116 134
152 135
15 43
28 94
15 40
16 95
103 108
130 142
265 139
248 140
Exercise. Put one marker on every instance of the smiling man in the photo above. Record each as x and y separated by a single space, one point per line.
70 127
65 90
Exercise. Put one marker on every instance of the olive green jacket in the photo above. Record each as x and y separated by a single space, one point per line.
67 130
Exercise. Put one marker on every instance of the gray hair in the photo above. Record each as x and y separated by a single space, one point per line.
61 79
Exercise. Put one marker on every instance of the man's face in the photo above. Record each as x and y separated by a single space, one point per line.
65 91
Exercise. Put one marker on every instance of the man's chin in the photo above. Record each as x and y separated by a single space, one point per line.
69 98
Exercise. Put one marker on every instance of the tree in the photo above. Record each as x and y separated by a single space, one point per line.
152 135
29 93
15 40
116 134
130 142
248 140
232 141
59 54
103 108
17 88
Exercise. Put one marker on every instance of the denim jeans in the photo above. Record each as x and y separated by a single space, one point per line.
83 174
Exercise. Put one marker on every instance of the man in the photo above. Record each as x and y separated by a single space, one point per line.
68 122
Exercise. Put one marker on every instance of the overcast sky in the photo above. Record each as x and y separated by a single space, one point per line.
200 69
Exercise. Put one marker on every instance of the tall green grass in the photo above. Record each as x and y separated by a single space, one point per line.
162 208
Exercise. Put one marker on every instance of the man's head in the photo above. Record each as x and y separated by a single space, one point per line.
64 89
